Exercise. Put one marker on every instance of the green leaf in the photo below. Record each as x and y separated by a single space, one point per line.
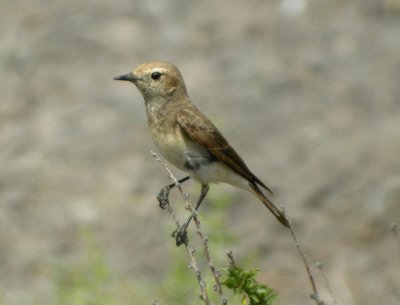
244 283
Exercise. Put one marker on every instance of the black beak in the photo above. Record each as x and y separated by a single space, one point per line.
130 77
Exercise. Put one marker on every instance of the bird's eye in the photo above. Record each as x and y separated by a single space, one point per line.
156 75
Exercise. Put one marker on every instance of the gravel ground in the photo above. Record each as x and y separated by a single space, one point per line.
315 83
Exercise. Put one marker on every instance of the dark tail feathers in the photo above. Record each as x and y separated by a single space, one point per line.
274 210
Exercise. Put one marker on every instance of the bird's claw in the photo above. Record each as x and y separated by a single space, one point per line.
181 236
162 197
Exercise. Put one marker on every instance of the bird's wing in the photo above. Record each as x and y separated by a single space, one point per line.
202 131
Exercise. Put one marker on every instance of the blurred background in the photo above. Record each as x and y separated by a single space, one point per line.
307 91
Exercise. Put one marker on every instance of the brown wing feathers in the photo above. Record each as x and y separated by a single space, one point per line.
201 130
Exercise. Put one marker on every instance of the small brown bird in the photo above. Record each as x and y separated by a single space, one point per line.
188 139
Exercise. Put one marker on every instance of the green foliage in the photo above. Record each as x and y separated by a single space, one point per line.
179 284
88 282
213 220
244 283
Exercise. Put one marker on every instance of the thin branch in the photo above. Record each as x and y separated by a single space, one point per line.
320 266
396 231
229 253
216 273
166 168
193 265
190 249
314 295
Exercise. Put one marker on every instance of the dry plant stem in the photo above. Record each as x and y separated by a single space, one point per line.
169 209
193 263
190 249
396 231
314 295
229 253
321 268
166 168
202 284
214 271
204 240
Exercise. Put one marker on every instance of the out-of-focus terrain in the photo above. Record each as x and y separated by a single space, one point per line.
307 91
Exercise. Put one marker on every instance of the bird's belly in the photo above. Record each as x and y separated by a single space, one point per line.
195 160
216 172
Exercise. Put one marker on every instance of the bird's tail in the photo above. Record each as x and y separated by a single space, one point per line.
274 210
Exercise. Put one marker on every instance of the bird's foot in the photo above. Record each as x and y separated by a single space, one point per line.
181 236
162 197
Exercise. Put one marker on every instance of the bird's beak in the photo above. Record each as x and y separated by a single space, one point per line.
130 77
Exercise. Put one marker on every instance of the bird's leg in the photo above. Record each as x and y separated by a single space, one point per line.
181 234
163 195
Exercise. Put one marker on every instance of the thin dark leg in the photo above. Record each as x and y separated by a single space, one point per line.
172 185
203 194
181 234
163 195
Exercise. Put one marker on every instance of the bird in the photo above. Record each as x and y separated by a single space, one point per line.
189 140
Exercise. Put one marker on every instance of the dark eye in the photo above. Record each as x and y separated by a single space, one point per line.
156 75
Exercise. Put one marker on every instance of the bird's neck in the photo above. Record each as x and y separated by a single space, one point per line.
164 110
154 113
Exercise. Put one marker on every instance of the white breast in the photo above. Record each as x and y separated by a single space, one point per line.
217 172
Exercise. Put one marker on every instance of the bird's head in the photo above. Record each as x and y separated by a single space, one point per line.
155 80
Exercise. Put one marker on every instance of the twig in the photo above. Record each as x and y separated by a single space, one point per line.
396 231
320 266
193 265
216 273
166 168
190 249
204 239
314 295
229 253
